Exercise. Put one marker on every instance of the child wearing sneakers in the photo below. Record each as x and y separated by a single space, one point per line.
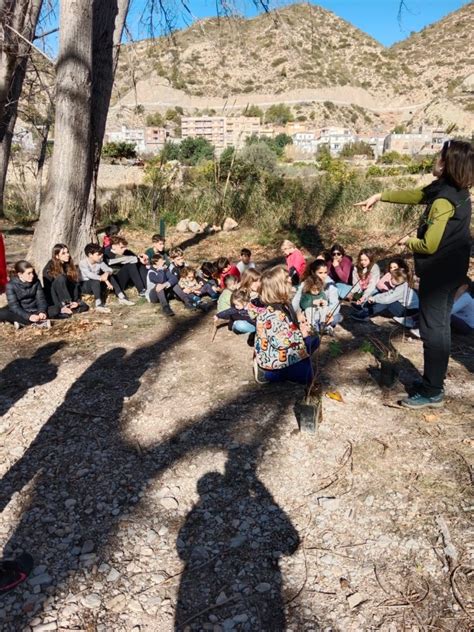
157 284
190 285
401 301
240 321
97 277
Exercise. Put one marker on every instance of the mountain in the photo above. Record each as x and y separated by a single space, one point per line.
307 56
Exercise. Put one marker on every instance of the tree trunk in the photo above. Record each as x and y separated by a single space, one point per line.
109 23
86 66
22 15
64 216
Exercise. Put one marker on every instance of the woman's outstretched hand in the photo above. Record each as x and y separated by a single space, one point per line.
367 204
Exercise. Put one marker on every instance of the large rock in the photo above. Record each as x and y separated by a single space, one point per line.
194 227
183 226
229 224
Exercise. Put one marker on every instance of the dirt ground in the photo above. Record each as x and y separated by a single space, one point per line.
160 488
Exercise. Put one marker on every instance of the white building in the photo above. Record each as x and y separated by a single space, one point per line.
128 135
335 138
307 142
375 142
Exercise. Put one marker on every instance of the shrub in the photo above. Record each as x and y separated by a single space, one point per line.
253 110
193 150
279 113
154 120
119 149
358 148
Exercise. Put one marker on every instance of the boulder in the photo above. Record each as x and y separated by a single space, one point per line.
229 224
182 226
194 227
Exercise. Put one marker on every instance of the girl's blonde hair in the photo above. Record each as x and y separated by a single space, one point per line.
248 277
275 287
287 244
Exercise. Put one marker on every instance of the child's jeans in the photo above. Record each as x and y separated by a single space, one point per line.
300 372
243 327
343 289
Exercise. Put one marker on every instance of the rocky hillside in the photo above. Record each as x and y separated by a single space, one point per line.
307 56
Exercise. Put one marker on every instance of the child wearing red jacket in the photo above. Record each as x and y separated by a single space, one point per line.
295 261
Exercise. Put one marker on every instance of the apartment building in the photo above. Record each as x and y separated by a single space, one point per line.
155 139
129 135
306 142
220 131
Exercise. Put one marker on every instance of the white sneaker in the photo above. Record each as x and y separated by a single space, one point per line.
406 322
415 332
17 325
102 309
125 301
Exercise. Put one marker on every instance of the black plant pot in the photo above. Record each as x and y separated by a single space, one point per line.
308 416
388 373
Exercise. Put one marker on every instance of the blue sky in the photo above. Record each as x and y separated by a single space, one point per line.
378 18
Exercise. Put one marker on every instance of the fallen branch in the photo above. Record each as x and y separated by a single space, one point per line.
449 549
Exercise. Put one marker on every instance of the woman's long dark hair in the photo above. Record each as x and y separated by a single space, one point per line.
360 268
458 163
57 268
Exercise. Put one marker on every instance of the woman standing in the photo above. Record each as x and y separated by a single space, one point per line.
441 250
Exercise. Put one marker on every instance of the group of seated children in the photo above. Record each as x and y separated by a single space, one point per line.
156 275
284 309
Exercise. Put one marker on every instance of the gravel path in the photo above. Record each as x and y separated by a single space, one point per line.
159 488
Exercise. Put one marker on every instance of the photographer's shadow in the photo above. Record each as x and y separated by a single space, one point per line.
231 542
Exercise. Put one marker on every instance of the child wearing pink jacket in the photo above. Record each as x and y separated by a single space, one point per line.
295 261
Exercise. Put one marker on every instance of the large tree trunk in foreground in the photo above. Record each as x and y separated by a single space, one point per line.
85 76
21 15
62 217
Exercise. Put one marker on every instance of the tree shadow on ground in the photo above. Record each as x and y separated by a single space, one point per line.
22 374
84 474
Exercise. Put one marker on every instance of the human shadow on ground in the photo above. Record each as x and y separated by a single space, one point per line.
22 374
84 474
231 542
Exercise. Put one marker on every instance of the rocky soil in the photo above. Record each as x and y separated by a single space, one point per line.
158 487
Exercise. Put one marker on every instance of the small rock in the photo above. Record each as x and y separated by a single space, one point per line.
39 570
87 547
229 224
237 541
116 604
263 587
222 598
70 502
355 600
182 226
194 227
92 601
113 575
241 618
169 503
46 627
369 501
39 580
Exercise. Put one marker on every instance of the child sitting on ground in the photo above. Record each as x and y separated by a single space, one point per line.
250 283
365 277
224 269
231 284
110 231
245 263
320 298
207 274
157 248
240 322
157 283
97 277
385 281
190 285
295 261
401 301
